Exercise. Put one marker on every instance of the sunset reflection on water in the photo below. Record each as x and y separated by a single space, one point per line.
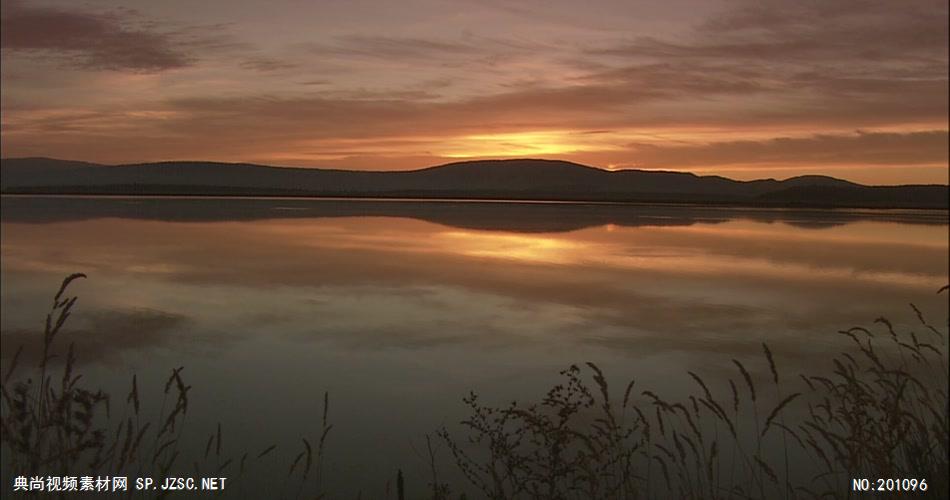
412 312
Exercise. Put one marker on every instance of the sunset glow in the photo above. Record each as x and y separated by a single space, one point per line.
522 144
742 89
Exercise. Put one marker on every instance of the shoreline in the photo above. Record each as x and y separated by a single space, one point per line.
658 202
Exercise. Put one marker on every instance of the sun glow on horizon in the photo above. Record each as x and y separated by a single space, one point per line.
511 144
520 144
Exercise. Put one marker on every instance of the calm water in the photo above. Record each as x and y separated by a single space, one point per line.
398 309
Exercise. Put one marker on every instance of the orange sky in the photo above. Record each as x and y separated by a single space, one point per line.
741 88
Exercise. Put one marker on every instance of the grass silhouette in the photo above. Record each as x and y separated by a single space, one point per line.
878 410
52 426
881 411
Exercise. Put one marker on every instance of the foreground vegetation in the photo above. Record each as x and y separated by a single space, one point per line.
879 410
53 424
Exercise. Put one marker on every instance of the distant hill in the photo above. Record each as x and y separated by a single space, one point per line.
526 179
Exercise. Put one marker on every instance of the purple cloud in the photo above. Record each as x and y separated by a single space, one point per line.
88 40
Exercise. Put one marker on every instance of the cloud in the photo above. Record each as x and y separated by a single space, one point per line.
467 60
88 40
358 114
383 47
808 32
395 97
866 61
677 79
410 129
873 148
266 64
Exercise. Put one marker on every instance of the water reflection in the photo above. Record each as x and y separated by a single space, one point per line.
481 215
732 275
409 306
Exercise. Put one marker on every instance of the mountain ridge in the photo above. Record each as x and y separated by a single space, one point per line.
529 179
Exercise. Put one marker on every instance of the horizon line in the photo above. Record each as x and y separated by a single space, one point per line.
483 160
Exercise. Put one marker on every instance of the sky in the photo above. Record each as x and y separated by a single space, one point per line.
742 88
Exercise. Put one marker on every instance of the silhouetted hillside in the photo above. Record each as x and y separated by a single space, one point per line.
857 195
493 179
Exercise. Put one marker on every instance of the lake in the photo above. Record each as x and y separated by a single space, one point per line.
398 309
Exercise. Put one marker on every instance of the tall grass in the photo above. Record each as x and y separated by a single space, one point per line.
878 410
53 425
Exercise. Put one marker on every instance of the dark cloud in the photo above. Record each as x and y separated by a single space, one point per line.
462 52
88 40
809 33
265 64
678 79
866 61
382 47
380 95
